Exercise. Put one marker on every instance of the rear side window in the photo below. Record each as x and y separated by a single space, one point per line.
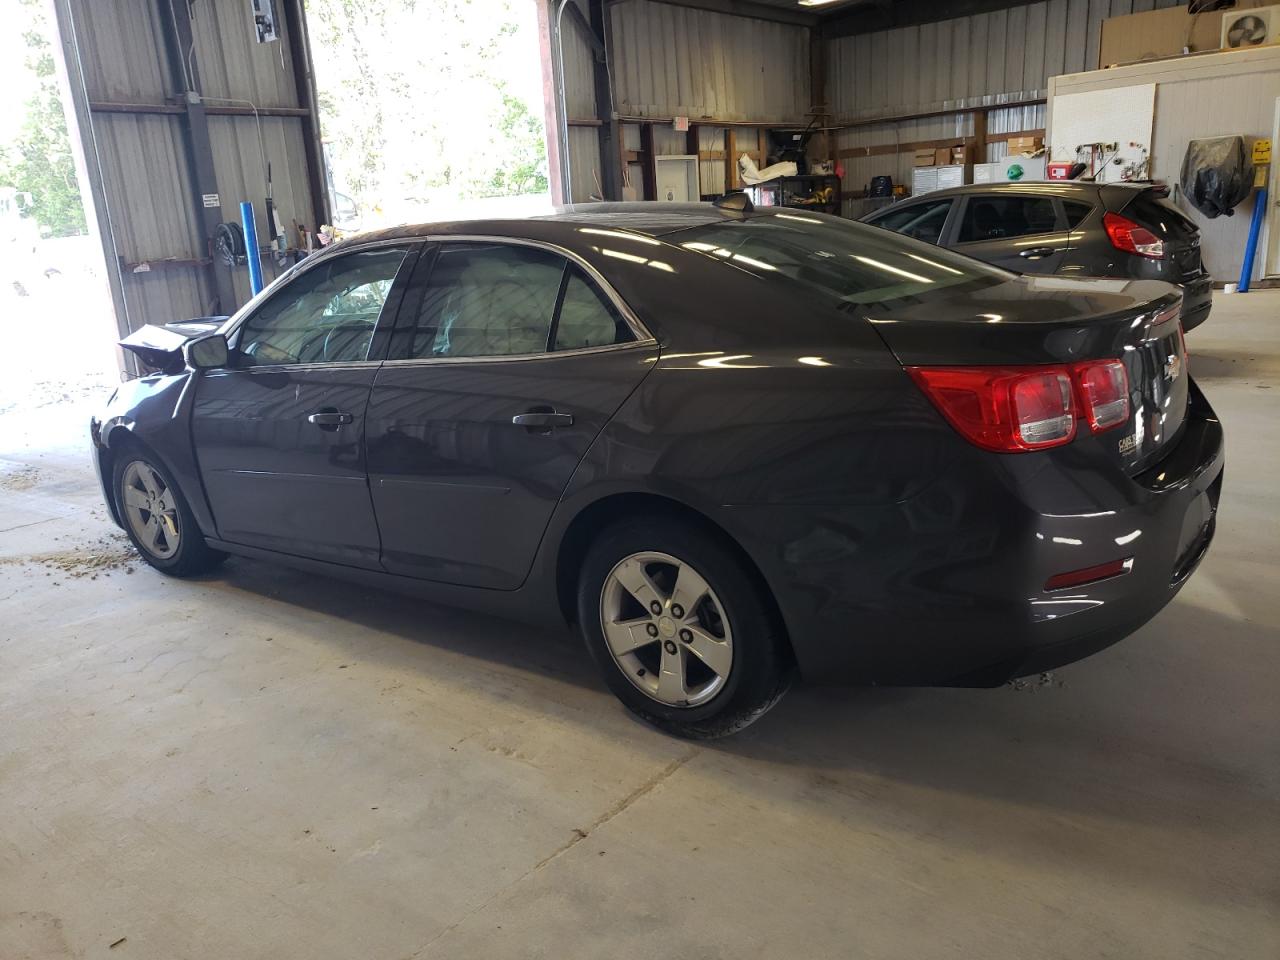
1076 212
586 318
1001 217
501 300
487 300
852 263
920 221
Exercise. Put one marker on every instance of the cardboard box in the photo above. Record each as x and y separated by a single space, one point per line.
1157 34
1020 145
923 158
962 154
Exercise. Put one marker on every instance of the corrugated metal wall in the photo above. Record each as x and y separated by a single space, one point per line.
580 101
986 59
676 61
1214 95
149 203
670 61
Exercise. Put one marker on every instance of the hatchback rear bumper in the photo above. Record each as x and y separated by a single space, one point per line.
1197 301
948 587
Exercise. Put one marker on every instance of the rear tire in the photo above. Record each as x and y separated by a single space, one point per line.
157 518
679 628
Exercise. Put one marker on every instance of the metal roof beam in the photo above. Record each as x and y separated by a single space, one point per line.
745 8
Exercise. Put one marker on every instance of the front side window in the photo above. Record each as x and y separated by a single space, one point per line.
920 221
851 263
497 299
1001 217
326 315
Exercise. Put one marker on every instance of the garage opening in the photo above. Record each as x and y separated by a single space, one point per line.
429 111
57 318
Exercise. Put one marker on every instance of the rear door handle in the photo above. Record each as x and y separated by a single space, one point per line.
543 419
330 418
1037 253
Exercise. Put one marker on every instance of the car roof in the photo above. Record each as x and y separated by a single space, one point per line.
645 217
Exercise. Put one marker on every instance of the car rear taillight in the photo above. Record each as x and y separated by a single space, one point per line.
1104 393
1132 237
1018 409
1005 409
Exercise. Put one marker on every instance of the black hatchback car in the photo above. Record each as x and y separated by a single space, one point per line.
1068 228
728 444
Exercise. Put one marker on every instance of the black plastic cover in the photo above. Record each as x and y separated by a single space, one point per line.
1216 175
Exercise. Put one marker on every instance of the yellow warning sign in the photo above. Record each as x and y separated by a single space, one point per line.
1262 151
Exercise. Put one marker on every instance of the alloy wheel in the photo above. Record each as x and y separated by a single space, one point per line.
666 629
151 510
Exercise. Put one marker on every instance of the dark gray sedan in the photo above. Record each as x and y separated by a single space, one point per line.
729 444
1070 228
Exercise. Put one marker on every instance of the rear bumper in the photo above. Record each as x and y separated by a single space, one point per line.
1197 301
947 588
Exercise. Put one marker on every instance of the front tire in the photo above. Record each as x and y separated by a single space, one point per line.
157 517
679 628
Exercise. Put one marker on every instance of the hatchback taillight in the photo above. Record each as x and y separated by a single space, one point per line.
1018 409
1132 237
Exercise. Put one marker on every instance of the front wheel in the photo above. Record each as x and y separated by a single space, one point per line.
157 518
679 629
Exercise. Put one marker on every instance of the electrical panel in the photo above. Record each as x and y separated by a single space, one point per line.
266 24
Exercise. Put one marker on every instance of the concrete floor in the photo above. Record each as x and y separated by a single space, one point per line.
266 765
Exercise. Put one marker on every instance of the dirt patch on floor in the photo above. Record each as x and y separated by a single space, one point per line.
89 560
24 478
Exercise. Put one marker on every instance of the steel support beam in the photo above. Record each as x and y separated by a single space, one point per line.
745 8
610 130
176 17
295 28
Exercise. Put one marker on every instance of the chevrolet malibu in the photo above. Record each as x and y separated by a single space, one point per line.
732 445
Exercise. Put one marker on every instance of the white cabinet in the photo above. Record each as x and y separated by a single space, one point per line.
677 179
998 172
928 179
923 180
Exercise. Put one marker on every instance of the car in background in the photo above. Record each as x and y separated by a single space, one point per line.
1067 228
730 444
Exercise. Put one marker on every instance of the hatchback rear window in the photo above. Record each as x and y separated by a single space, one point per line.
850 262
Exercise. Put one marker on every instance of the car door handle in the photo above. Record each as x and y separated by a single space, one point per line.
330 418
1037 253
543 419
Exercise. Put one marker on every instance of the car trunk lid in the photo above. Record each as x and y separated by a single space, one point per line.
1051 320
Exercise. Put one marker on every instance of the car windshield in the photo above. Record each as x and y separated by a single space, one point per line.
852 263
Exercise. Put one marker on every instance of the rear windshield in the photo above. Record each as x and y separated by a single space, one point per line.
852 263
1161 216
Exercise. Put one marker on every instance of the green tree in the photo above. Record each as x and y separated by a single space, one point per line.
418 99
525 136
39 161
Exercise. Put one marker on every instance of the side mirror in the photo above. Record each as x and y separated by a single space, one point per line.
208 353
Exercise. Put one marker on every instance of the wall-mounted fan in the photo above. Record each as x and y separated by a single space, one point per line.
1250 28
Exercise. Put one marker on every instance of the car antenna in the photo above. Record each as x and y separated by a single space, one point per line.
737 202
